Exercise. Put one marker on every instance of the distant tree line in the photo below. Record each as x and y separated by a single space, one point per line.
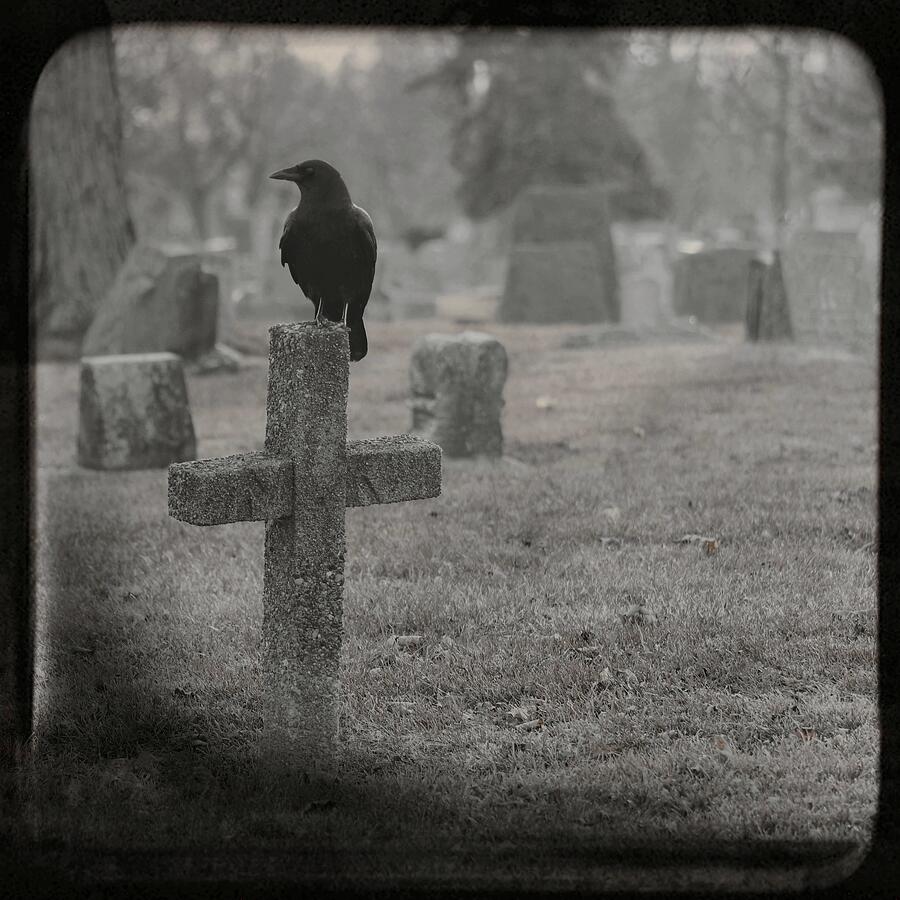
700 128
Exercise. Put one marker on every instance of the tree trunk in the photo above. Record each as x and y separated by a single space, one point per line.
81 230
768 311
781 132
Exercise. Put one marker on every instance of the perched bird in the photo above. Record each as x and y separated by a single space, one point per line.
328 244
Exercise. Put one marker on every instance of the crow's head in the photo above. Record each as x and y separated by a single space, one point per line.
315 178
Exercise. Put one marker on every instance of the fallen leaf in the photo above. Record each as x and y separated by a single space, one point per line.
639 431
544 402
408 641
695 539
806 734
711 547
532 725
640 614
605 678
521 713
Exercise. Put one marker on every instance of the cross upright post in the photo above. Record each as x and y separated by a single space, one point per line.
300 486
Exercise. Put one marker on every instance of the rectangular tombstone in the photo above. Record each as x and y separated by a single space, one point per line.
831 298
134 412
712 284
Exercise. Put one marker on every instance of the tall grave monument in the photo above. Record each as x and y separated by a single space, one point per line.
300 485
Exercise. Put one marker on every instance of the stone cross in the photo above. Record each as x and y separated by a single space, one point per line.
300 485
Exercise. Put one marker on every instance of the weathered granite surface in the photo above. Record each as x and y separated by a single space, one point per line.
256 487
134 412
306 421
300 485
456 381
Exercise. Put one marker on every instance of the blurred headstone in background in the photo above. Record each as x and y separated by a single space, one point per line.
768 312
711 283
552 282
159 301
645 273
378 308
134 412
404 289
832 299
456 382
562 266
217 257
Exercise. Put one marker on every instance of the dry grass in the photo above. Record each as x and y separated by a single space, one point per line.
741 706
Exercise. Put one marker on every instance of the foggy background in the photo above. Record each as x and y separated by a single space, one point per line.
702 140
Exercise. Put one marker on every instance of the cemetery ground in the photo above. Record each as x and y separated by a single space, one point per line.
654 620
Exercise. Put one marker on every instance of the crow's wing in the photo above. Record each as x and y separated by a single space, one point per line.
330 255
292 252
364 249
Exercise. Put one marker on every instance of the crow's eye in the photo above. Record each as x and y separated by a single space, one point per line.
308 172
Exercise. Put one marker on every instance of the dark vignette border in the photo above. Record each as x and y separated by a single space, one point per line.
30 34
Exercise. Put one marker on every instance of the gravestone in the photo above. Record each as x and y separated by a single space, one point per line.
832 299
768 314
133 412
572 225
553 282
711 284
456 381
300 485
159 301
645 274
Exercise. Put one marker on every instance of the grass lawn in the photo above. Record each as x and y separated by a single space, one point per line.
584 678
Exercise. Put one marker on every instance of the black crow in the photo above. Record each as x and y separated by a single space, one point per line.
329 246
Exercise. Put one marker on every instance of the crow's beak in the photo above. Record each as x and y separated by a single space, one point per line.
284 175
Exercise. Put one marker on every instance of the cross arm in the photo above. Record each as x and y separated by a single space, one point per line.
392 469
250 487
255 487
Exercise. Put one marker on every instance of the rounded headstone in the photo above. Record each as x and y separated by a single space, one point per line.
160 300
456 381
133 412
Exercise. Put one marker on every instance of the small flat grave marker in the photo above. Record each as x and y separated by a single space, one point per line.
300 485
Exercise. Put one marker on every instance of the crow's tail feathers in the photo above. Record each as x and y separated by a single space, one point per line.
359 344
